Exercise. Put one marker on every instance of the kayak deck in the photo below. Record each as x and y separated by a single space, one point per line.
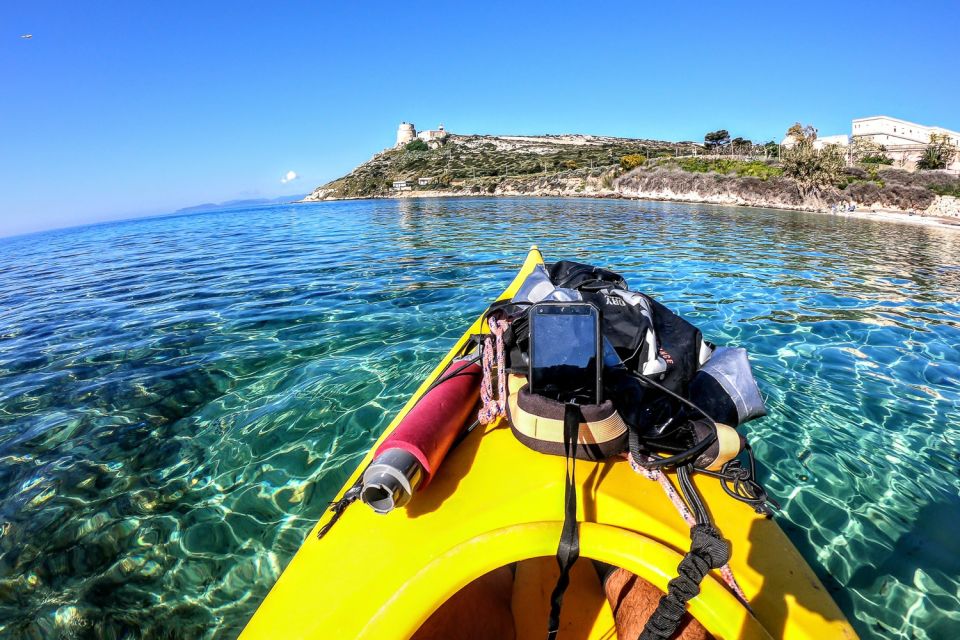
496 502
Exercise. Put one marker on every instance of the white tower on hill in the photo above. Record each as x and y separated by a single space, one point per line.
406 132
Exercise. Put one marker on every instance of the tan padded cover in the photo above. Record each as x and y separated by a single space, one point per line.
538 423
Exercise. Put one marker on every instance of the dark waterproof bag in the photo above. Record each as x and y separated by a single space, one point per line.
585 277
726 389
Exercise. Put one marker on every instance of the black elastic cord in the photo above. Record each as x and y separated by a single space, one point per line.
676 396
684 456
339 506
681 458
740 483
691 495
569 548
707 551
737 482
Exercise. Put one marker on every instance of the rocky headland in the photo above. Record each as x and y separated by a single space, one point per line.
597 166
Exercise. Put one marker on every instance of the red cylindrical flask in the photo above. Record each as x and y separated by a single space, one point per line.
410 456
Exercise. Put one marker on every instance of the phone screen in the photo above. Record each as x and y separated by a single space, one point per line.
564 344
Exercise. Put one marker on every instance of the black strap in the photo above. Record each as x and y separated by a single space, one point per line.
569 548
707 551
338 507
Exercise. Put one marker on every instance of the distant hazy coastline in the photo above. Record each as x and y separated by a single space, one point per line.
236 204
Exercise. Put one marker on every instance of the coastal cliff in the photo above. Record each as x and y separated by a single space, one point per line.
463 165
598 166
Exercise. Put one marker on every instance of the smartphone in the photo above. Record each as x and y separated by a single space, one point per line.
565 352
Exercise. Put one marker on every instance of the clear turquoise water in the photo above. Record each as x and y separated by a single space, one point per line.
179 397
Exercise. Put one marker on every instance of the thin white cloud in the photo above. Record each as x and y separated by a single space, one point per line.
289 176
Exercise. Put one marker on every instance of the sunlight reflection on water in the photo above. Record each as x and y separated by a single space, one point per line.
181 396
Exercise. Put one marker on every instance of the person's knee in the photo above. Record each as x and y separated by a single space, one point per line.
634 600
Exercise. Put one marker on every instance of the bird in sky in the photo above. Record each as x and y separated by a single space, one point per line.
27 36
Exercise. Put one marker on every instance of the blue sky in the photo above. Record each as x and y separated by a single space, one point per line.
117 109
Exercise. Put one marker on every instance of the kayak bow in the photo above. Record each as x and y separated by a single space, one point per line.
496 502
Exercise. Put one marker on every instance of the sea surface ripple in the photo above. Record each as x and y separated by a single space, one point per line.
180 397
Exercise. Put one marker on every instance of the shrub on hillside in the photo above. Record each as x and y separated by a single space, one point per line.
942 183
896 176
417 145
631 161
938 182
904 197
864 193
752 168
866 151
695 165
775 190
757 169
938 154
947 190
881 159
856 173
814 170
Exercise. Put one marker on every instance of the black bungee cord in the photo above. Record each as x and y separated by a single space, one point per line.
737 482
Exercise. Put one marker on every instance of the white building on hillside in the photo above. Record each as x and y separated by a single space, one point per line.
841 140
433 134
407 132
893 132
904 141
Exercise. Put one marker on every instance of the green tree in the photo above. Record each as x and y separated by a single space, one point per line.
811 168
715 139
417 145
938 154
741 146
866 151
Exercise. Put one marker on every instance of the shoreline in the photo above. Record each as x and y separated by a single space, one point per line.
883 215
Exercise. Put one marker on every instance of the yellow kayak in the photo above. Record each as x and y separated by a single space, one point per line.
495 502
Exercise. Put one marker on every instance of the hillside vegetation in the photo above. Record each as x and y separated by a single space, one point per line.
475 163
578 165
763 184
